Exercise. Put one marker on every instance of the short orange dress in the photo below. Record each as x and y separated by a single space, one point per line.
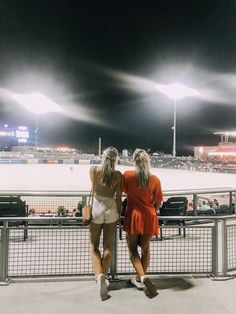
140 215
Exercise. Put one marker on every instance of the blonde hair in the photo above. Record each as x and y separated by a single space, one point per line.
109 161
142 167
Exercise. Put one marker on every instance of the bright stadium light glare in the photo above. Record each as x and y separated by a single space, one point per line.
37 104
176 91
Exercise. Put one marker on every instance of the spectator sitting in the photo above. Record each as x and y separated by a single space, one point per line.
205 206
215 204
32 212
61 211
190 207
79 209
76 212
48 214
199 205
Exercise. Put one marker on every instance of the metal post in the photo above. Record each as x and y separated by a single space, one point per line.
224 248
220 251
4 255
234 203
195 202
174 131
113 270
215 249
231 202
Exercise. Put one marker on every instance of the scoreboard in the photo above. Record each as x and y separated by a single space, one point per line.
15 136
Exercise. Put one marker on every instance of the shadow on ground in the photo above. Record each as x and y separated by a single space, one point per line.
177 284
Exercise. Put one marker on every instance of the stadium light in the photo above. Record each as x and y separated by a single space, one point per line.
225 135
37 104
176 91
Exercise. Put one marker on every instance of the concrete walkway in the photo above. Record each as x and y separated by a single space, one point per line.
176 295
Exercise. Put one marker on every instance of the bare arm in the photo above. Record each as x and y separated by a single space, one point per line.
91 173
118 193
158 196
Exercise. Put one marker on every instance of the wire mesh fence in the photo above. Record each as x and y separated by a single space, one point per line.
231 247
49 251
174 254
49 245
61 250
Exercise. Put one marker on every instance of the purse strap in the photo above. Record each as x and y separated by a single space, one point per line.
91 194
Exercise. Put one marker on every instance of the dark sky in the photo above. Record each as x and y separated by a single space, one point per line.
100 60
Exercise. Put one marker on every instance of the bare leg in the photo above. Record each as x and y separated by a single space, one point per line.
95 233
132 241
145 248
149 288
108 236
101 265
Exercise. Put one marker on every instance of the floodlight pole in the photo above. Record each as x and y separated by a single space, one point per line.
176 91
174 131
36 130
99 146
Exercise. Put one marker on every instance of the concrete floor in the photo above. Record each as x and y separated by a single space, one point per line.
176 295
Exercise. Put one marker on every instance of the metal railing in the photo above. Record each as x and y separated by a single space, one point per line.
59 246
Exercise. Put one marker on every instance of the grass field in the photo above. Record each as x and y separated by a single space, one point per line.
42 177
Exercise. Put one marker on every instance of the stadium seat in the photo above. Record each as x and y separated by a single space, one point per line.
174 206
13 206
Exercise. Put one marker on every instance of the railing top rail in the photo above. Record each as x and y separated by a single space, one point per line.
56 218
39 218
43 193
86 192
200 191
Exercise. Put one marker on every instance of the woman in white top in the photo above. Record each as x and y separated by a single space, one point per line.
105 211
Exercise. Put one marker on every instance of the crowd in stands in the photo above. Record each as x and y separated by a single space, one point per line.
210 207
158 160
185 163
61 211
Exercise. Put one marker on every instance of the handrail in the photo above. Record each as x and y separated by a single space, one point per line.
200 191
56 218
85 192
43 193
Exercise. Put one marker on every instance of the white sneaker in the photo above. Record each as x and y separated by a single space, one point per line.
102 287
137 284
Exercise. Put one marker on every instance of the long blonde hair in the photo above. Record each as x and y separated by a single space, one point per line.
142 167
109 161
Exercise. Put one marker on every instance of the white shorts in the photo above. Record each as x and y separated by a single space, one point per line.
104 210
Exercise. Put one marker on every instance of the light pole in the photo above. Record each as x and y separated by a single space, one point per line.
99 146
174 130
176 91
37 104
36 130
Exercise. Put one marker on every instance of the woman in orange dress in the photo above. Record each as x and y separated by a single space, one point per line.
144 197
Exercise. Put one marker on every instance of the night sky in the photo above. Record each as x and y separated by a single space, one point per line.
100 61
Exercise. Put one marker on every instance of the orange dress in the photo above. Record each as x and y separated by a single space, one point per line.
140 216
